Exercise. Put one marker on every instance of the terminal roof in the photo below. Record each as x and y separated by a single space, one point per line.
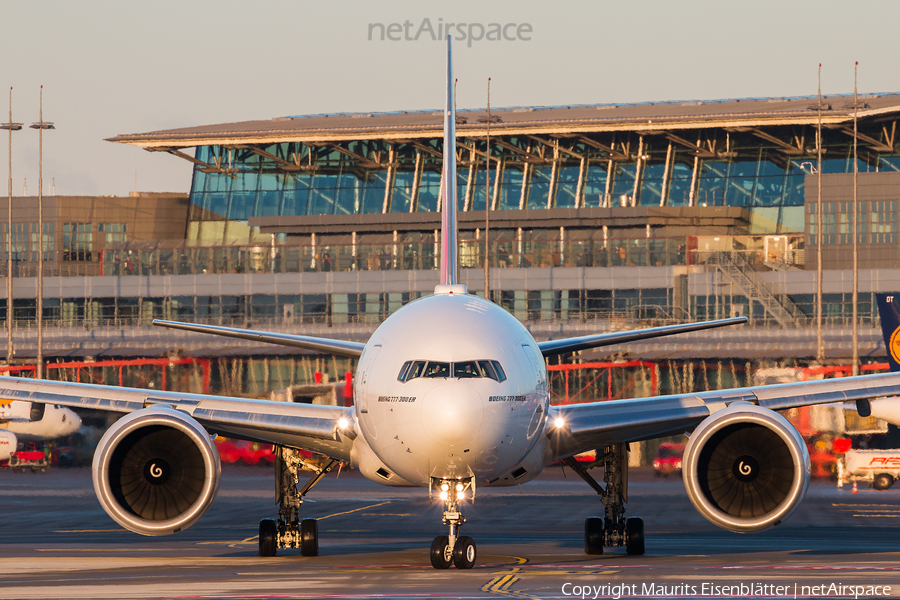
558 121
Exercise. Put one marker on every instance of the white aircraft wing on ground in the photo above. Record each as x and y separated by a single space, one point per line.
308 426
582 427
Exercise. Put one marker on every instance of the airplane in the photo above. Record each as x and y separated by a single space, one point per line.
452 395
33 422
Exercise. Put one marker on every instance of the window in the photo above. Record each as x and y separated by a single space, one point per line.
437 369
466 369
115 232
501 376
490 369
77 242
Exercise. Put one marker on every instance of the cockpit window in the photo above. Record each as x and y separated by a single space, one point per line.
410 370
490 369
486 370
468 368
501 376
404 370
437 369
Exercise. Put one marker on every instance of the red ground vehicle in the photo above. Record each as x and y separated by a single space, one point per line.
35 460
668 459
244 452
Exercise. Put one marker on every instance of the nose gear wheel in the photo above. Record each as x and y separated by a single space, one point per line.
453 549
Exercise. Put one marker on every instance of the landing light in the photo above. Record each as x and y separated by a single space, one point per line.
445 487
559 422
460 495
459 487
444 495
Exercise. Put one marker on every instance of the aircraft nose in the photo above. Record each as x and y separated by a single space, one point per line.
452 413
73 421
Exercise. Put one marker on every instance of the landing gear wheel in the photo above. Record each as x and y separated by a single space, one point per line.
309 537
593 535
441 554
634 536
268 534
464 552
882 481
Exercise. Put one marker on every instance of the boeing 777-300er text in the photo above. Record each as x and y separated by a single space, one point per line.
451 395
33 422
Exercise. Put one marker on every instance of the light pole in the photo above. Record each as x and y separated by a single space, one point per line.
10 126
41 126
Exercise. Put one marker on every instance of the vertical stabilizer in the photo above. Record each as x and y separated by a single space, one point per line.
449 234
889 310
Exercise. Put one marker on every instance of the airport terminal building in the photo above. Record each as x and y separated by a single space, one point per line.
599 217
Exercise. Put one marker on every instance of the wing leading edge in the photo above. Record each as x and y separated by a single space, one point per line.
339 347
595 424
307 426
553 347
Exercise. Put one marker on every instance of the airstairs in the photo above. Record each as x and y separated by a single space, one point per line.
733 266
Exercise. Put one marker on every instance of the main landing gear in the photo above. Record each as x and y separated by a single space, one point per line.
454 548
289 531
616 530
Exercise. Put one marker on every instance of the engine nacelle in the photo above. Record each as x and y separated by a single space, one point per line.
745 468
8 444
156 471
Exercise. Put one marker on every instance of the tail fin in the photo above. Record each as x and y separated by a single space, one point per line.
449 242
889 309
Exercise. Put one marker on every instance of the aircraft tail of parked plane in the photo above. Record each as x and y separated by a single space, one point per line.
452 394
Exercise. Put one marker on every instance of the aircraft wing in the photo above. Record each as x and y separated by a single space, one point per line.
339 347
307 426
553 347
592 425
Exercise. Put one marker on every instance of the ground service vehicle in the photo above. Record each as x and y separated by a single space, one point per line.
881 468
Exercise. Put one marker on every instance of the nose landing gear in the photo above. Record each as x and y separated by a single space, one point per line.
454 548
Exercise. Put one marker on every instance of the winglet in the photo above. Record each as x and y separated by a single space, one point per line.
449 242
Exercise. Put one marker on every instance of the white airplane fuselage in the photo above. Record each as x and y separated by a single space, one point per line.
57 421
452 427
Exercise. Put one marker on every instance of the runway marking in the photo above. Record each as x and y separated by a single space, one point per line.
255 538
99 549
539 571
91 531
355 510
501 585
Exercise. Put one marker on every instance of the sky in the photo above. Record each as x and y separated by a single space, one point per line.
118 67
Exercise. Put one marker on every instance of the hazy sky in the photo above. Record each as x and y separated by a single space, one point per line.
114 67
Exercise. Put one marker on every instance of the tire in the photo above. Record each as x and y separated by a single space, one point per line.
464 552
882 481
634 536
309 537
268 538
593 535
440 552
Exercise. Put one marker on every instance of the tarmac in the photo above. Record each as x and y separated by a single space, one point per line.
57 542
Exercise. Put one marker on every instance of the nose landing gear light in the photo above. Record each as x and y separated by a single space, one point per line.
454 548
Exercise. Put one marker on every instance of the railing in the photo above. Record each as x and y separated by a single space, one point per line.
138 259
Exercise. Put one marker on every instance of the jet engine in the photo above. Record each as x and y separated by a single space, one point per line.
745 468
8 444
156 471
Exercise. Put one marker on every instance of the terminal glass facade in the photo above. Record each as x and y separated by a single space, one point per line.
378 176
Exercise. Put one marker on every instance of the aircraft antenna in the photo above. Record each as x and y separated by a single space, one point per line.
487 200
449 234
